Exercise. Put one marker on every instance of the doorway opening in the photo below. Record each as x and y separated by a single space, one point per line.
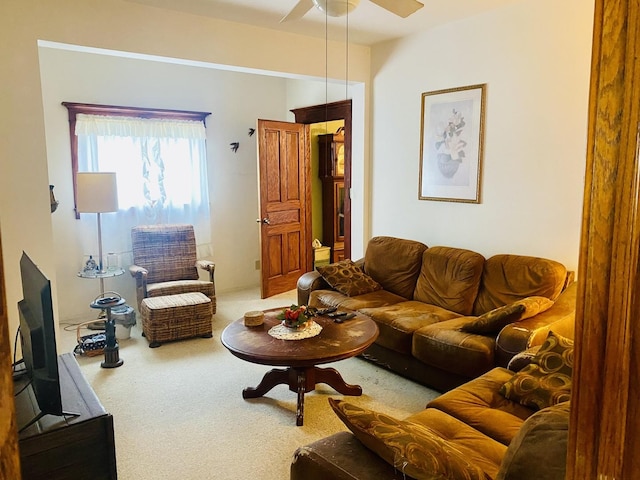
326 116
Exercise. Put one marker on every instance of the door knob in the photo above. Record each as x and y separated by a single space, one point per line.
264 220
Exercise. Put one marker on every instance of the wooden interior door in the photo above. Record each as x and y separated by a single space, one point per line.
285 204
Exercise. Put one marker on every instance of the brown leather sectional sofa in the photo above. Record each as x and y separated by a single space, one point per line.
473 432
425 301
428 295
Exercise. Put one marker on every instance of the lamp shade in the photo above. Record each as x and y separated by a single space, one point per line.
96 192
336 8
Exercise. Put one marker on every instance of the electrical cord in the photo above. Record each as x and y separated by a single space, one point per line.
15 351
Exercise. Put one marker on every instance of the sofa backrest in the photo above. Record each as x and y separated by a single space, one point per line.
394 263
449 278
507 278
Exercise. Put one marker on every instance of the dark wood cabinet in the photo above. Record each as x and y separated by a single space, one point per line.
73 447
331 172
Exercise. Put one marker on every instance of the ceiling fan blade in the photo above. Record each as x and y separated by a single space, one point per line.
299 11
402 8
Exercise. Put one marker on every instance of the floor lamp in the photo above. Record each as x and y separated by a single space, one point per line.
97 192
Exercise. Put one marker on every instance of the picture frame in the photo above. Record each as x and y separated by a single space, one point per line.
451 144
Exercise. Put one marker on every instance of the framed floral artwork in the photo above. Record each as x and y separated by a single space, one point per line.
451 144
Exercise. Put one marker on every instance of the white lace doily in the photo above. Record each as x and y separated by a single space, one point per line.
285 333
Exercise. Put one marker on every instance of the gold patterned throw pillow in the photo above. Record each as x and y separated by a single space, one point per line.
348 278
546 381
412 449
495 320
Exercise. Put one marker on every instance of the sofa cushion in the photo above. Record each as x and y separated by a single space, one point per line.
540 449
450 278
445 346
411 448
507 278
481 450
399 321
495 320
348 278
479 404
547 380
332 298
394 263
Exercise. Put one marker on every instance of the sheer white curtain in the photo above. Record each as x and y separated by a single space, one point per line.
161 170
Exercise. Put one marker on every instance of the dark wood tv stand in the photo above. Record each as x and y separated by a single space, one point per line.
75 447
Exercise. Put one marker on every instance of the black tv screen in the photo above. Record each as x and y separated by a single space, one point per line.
38 338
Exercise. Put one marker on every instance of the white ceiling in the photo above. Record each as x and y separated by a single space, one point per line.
368 24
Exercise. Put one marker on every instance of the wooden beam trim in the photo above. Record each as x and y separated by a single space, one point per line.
605 397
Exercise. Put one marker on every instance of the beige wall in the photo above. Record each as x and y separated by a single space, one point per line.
122 26
534 56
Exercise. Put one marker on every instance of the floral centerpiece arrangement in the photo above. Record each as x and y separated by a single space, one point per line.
294 316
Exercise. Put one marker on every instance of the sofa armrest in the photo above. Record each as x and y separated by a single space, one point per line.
522 359
519 336
311 281
307 283
340 456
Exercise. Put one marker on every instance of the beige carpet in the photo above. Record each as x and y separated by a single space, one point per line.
179 413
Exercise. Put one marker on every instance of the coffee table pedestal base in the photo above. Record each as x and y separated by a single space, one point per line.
302 380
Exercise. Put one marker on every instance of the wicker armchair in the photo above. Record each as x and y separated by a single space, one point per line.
165 263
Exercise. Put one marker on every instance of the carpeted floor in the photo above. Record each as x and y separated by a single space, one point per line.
179 413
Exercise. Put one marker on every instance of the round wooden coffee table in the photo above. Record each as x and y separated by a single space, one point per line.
336 341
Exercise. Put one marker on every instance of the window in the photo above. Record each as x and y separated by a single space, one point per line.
159 157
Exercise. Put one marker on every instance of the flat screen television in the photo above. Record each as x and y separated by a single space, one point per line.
38 340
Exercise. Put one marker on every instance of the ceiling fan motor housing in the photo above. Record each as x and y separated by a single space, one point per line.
336 8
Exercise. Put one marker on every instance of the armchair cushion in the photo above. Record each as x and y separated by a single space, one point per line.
348 278
547 380
180 286
411 448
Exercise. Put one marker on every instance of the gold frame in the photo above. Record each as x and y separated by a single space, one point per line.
452 144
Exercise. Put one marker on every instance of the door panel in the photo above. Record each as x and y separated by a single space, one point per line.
284 199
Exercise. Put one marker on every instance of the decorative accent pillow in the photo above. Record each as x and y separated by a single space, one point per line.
348 278
546 381
412 449
495 320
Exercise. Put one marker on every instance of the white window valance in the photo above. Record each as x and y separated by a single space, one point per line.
136 127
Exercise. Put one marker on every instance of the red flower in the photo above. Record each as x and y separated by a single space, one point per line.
294 316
